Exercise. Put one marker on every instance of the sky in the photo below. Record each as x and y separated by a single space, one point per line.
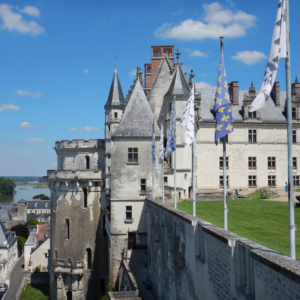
57 61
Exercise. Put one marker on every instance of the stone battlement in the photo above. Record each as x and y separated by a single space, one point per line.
74 175
80 143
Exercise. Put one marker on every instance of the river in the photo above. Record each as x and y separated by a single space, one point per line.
25 192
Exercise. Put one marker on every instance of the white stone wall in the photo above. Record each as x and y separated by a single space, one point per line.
39 259
10 253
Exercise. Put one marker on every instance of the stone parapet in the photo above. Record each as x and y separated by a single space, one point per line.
75 175
80 143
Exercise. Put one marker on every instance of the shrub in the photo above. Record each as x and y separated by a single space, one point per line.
21 241
37 269
41 196
267 193
32 222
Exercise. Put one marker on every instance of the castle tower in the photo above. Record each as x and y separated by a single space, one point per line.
78 261
113 113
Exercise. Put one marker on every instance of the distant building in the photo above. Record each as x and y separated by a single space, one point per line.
37 206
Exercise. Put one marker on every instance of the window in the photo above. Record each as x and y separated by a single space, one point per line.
89 258
166 179
221 163
108 170
252 163
271 163
294 162
87 162
143 185
252 115
55 254
296 180
272 181
128 212
69 295
35 211
41 211
170 106
108 127
252 181
293 113
157 52
31 211
132 154
67 229
102 285
221 181
116 115
252 136
185 176
85 196
149 70
294 132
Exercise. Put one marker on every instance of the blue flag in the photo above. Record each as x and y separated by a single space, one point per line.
171 143
223 110
153 151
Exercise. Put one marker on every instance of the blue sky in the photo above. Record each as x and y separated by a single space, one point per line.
57 61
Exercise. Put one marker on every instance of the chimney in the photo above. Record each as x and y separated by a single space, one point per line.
296 88
233 88
276 93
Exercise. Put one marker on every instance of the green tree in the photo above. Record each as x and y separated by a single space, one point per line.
21 230
32 222
41 196
21 241
7 186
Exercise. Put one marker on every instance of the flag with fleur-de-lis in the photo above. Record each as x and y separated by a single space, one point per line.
277 51
223 109
171 142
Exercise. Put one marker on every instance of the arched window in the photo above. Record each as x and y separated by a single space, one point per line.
55 254
69 295
85 197
67 229
87 162
89 258
156 52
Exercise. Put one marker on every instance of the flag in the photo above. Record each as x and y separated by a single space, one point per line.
171 143
153 151
277 51
161 144
223 109
188 120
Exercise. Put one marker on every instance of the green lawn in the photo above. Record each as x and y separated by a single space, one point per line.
264 222
36 292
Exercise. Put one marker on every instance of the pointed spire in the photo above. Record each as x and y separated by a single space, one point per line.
178 85
296 79
178 54
115 97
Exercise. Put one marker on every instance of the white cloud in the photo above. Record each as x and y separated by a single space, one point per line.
230 2
198 53
36 94
13 21
132 72
31 10
34 140
217 22
249 57
87 128
204 85
9 106
85 71
201 75
26 125
186 69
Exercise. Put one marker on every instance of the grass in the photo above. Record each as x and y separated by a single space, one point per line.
36 292
297 190
264 222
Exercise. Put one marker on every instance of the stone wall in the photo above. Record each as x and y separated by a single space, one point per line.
192 259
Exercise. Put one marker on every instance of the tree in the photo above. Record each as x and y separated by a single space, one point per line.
32 222
21 230
21 241
41 196
7 186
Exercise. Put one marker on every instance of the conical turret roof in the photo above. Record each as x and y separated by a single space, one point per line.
115 97
179 85
137 120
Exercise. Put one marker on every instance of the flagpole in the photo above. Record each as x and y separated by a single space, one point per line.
153 170
289 138
162 165
175 201
193 169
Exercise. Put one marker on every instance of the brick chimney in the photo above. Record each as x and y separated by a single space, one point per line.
296 88
157 54
276 93
233 88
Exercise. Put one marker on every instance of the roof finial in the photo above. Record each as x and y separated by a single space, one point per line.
296 81
177 54
251 84
115 59
192 75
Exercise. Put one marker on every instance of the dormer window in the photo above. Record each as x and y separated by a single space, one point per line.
35 205
252 115
46 205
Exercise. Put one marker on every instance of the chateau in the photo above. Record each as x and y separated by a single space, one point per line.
99 190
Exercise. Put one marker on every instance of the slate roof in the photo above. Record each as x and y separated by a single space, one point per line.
115 97
179 84
22 201
39 204
6 234
4 215
269 114
137 120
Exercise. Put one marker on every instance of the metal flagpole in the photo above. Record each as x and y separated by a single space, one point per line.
225 184
175 201
194 181
289 138
153 167
162 165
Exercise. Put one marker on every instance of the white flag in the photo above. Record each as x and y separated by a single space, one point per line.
277 51
187 120
161 144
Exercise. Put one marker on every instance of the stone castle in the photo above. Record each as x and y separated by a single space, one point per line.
101 190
